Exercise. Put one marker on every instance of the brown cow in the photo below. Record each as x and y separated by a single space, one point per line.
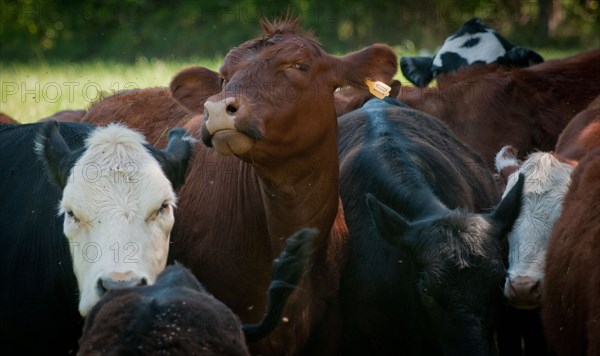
5 119
571 291
154 111
351 98
276 113
527 108
582 134
66 116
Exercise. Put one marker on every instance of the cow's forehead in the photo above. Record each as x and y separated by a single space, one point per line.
478 47
470 27
457 240
288 46
116 167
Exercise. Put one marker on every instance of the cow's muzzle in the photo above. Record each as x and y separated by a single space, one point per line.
219 127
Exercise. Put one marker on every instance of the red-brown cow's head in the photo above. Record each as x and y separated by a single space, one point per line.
277 92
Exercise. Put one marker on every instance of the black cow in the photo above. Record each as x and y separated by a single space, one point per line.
474 43
425 266
177 316
41 270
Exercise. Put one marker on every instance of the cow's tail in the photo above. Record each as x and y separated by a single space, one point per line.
286 274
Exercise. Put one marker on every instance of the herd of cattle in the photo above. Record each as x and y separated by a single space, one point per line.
460 219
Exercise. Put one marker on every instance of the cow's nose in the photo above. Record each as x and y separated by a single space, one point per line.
118 280
220 114
219 130
524 292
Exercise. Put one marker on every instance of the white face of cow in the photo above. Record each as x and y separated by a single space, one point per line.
546 182
474 43
118 214
466 48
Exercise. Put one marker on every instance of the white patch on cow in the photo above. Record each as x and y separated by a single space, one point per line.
118 208
546 183
487 50
504 160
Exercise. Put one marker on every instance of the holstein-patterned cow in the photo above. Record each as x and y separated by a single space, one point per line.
425 268
273 170
571 290
115 198
177 316
526 108
475 43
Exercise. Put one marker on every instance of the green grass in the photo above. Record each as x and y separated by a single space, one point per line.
29 92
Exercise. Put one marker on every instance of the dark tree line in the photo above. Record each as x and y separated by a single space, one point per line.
126 29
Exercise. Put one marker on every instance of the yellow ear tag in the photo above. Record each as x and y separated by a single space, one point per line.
379 89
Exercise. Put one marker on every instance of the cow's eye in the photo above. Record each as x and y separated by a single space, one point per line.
427 296
301 67
71 215
164 207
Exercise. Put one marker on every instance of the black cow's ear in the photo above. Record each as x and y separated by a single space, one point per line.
177 275
175 158
390 224
509 208
52 149
417 70
520 57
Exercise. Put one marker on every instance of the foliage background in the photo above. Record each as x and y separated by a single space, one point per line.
66 54
125 30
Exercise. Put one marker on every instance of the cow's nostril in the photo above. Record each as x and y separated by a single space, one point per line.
100 287
231 108
143 282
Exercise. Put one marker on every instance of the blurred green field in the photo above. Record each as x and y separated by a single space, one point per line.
29 92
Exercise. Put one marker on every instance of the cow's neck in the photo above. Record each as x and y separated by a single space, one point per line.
301 192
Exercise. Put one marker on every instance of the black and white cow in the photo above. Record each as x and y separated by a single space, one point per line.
425 269
547 180
474 43
84 209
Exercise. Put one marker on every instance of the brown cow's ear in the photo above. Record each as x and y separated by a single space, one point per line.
377 62
396 86
193 85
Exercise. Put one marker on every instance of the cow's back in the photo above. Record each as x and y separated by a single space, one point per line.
39 290
527 108
396 154
465 181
